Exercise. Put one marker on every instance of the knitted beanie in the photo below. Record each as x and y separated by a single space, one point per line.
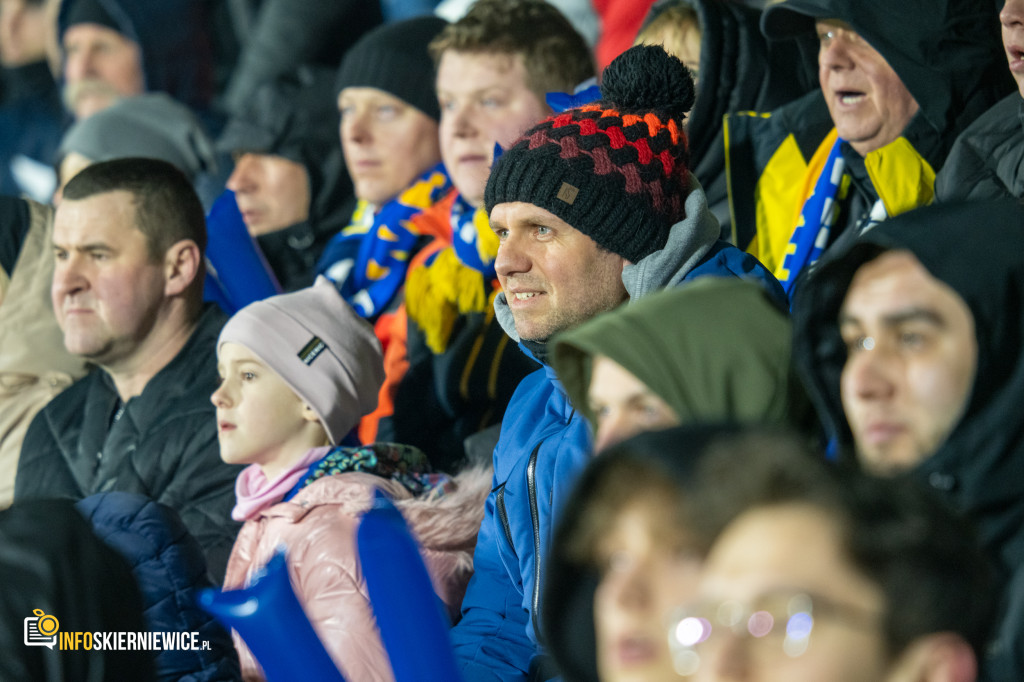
616 169
393 57
321 348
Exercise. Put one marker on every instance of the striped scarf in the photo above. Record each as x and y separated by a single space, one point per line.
455 280
367 261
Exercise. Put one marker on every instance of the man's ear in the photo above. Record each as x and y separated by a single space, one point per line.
182 261
939 657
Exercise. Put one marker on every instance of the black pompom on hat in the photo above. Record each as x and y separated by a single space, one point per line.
615 170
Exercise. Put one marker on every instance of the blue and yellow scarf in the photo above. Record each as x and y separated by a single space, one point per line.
367 261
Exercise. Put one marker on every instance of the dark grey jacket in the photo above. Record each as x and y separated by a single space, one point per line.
164 446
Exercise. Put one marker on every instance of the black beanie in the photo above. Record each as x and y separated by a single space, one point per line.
89 12
615 170
393 57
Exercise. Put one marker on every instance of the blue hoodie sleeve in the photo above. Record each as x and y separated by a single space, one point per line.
490 641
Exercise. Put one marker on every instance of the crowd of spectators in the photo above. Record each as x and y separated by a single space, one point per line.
685 335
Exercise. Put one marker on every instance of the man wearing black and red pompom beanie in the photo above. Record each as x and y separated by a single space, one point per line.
592 207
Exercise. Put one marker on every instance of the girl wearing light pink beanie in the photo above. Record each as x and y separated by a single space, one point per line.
298 372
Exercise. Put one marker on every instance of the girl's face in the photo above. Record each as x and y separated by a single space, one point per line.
649 566
260 419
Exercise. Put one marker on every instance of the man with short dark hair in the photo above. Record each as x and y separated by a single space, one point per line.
822 573
909 342
128 240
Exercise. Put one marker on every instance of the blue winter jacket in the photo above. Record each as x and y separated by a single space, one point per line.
169 568
543 447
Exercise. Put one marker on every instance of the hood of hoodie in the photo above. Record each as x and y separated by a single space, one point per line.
974 248
948 53
296 117
689 241
175 40
739 70
714 349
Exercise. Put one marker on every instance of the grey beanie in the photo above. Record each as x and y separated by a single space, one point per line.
152 125
322 349
394 58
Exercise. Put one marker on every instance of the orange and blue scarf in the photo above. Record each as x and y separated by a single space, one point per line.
367 261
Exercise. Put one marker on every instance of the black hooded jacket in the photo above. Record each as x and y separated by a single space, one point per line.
739 70
296 117
946 52
976 249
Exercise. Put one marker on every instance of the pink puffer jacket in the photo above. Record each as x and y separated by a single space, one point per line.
318 528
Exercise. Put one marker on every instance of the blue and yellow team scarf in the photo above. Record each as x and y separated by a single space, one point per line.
810 237
455 280
367 260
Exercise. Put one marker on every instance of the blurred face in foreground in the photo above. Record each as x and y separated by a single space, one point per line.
1012 20
648 566
780 602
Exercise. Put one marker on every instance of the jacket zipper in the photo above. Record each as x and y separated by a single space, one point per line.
531 483
503 515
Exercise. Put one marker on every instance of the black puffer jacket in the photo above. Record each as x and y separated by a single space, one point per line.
164 446
169 567
975 248
987 160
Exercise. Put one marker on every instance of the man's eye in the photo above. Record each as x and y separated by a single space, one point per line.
542 230
248 376
502 234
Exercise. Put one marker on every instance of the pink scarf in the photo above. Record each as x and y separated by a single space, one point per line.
254 493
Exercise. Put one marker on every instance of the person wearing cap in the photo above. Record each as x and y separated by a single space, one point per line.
592 207
34 365
389 114
899 81
908 342
450 368
288 180
985 161
153 125
118 48
297 371
127 246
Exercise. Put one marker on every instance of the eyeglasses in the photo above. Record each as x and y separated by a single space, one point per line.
777 624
